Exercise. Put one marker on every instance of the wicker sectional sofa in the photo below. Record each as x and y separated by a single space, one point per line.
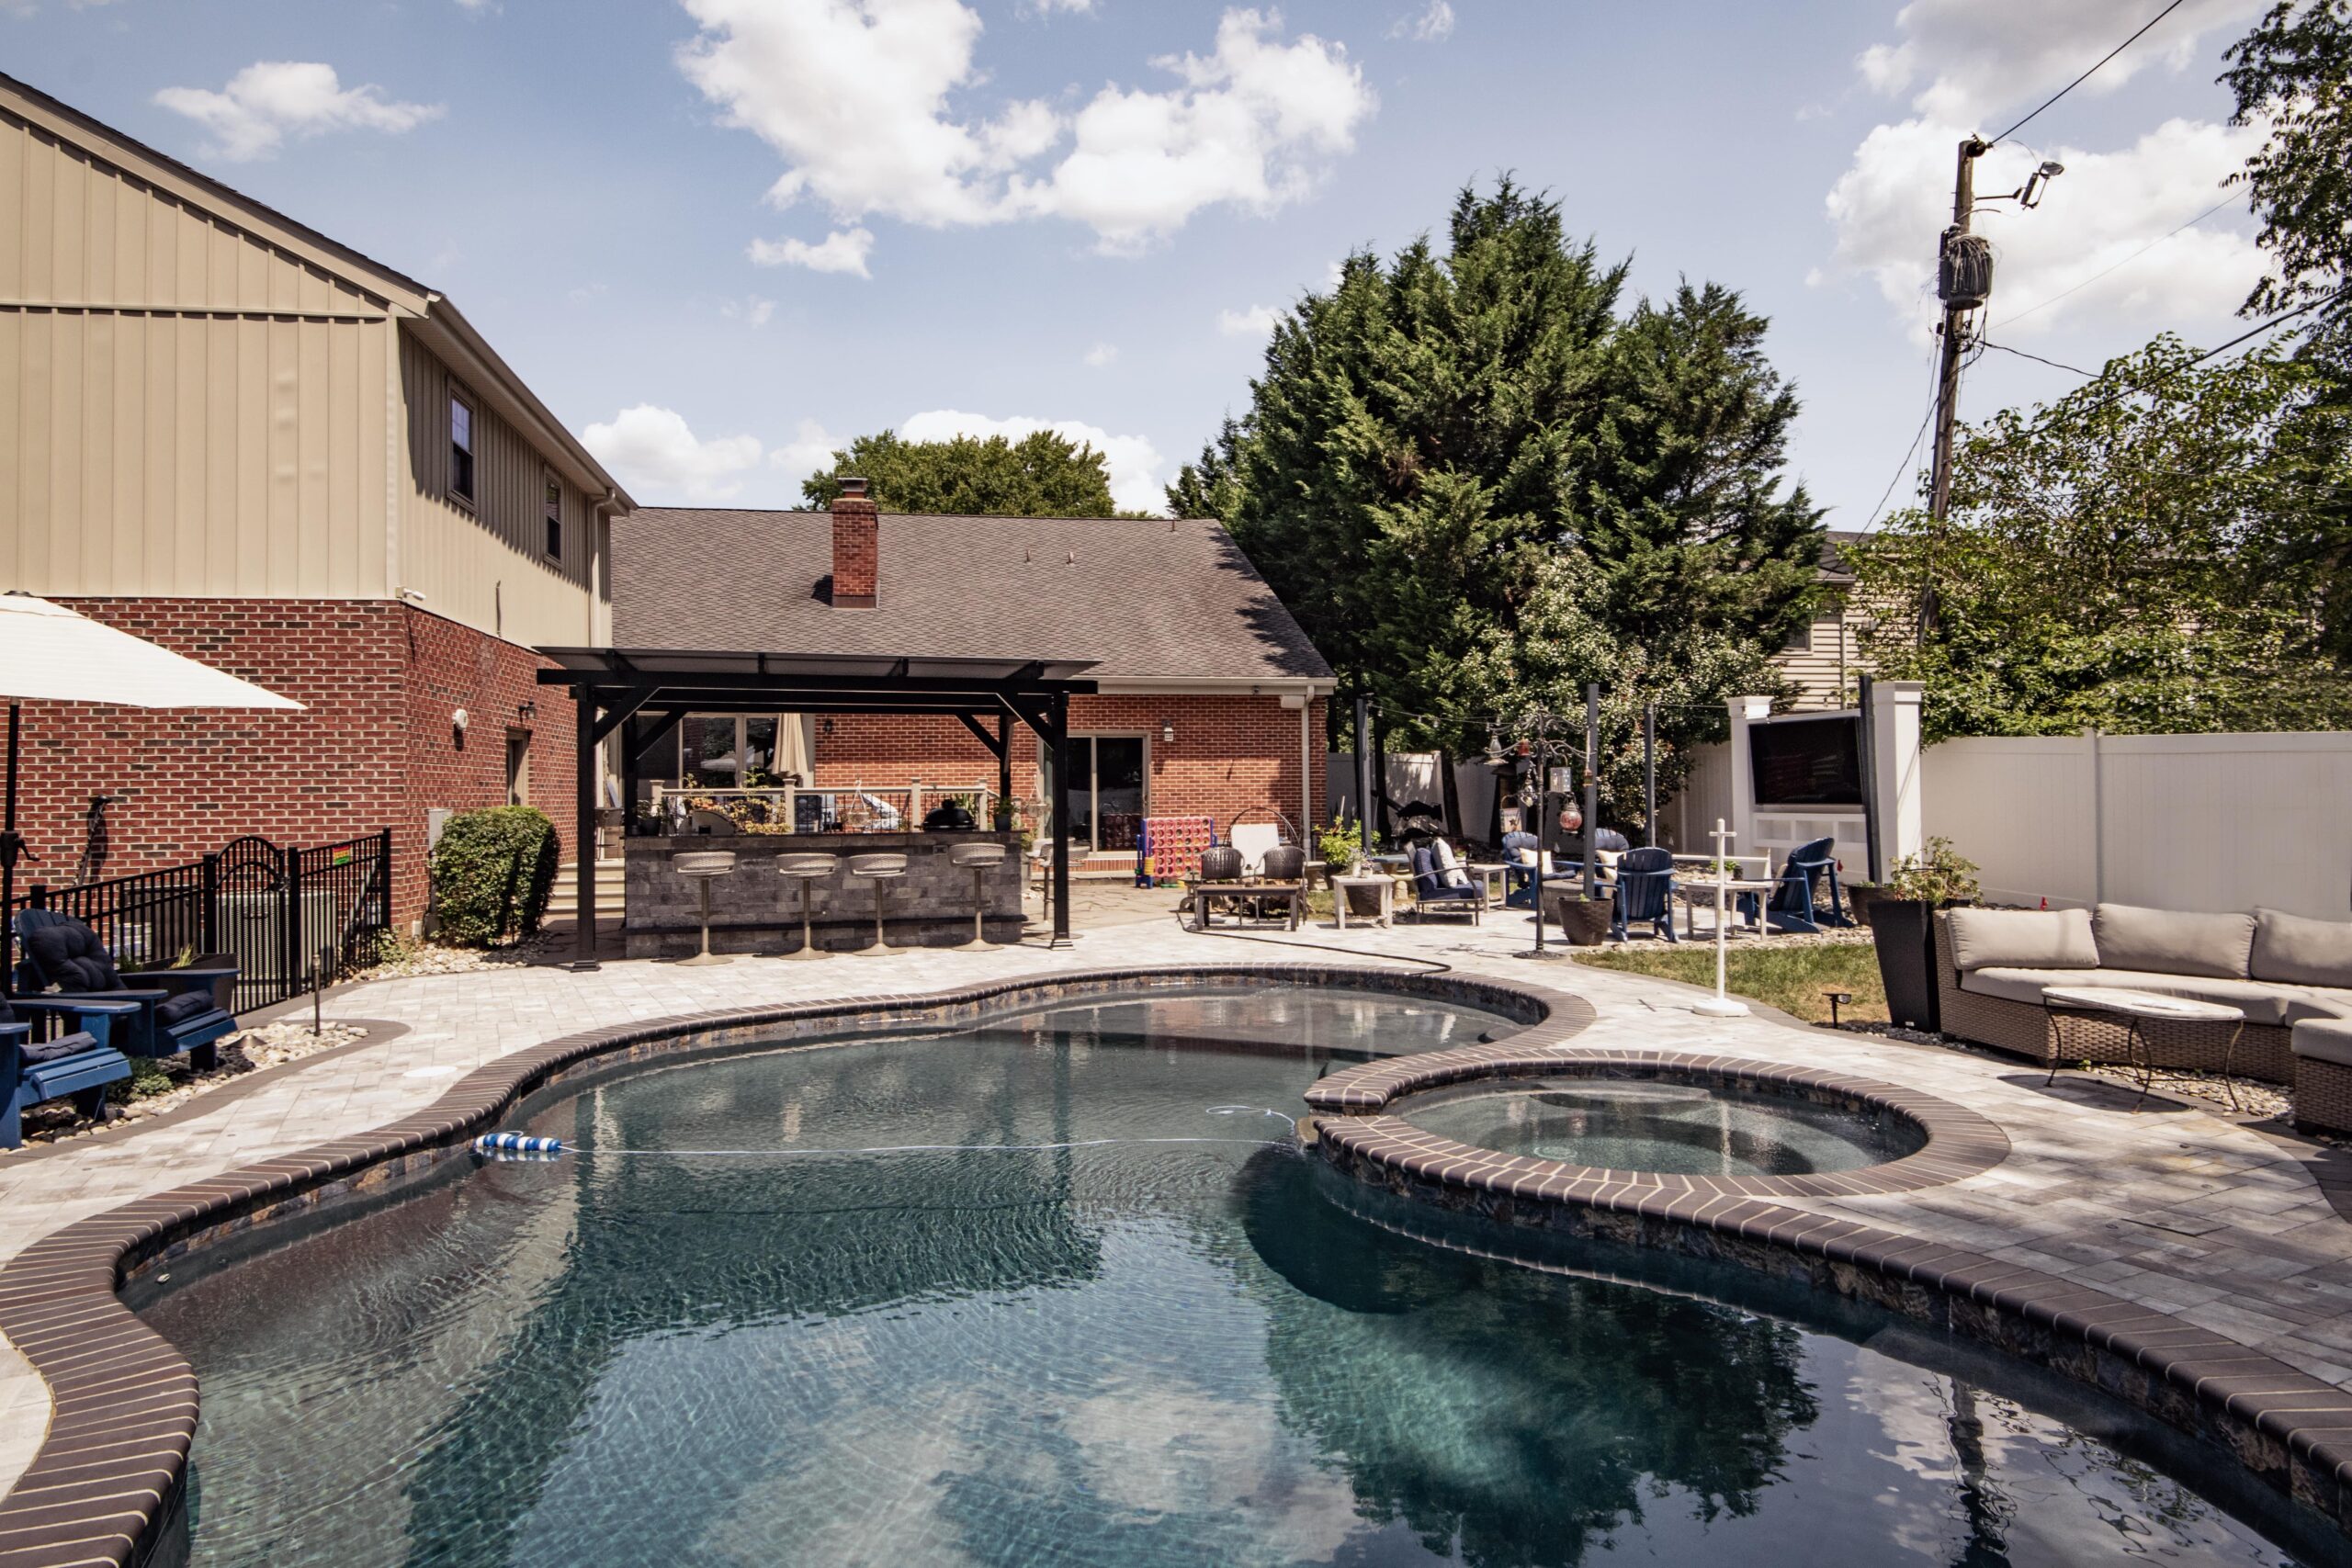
2282 970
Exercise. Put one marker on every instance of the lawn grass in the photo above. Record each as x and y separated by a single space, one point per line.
1787 977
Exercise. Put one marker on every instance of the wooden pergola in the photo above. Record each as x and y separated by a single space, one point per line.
643 692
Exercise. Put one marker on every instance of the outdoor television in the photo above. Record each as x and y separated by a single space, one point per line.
1807 761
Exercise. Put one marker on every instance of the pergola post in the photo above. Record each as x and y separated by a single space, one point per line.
584 719
1061 819
1003 762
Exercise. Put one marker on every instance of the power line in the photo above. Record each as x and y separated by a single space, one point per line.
2255 330
2022 354
2086 75
1906 466
2135 255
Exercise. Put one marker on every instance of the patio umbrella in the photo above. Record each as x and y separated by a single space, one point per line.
51 654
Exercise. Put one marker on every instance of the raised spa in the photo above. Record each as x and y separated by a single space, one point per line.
1061 1287
1688 1128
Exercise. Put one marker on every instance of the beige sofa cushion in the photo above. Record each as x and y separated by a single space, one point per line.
2021 939
2325 1040
2300 950
2277 1005
2172 942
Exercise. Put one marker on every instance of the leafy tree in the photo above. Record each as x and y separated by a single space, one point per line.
1479 485
2113 559
1044 474
2293 76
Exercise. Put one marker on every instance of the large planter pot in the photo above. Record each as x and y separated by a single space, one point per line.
1861 899
1903 930
1583 923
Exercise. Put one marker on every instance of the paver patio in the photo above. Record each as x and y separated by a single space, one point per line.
2224 1226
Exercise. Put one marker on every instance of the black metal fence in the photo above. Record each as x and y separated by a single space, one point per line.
277 911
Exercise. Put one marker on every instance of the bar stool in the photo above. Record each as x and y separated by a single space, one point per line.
978 858
807 869
880 868
701 865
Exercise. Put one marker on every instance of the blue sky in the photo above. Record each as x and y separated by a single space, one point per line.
717 236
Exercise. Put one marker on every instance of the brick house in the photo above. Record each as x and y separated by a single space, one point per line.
1210 700
231 435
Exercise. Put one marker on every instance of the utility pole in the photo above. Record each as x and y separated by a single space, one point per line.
1963 278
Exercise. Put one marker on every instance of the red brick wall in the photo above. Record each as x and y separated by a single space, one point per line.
360 757
1233 756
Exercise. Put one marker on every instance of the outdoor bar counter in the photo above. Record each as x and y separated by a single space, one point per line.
753 910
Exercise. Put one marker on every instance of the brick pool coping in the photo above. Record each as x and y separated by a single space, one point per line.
106 1478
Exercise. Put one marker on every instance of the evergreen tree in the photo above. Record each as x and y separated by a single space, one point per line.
1479 485
1044 474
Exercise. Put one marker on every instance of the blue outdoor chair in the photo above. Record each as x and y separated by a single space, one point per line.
175 1010
1795 904
1432 897
76 1064
1645 892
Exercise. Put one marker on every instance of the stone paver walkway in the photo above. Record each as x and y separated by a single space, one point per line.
2173 1207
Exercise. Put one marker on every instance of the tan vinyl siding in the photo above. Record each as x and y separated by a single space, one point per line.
486 565
1828 666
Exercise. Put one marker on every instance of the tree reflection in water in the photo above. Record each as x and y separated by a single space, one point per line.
1502 1413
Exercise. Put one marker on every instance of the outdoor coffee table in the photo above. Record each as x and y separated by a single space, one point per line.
1257 890
1495 875
2191 1033
1694 894
1388 890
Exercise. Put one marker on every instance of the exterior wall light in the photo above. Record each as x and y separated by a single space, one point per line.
1167 731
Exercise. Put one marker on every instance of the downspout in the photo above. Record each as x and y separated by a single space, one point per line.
1307 816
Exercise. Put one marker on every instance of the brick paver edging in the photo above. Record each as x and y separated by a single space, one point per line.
1959 1142
2291 1430
123 1400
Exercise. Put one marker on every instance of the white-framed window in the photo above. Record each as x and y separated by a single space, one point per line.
720 750
1800 641
461 447
552 509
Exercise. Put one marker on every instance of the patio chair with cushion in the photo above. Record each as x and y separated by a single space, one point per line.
1644 881
176 1011
1433 896
76 1064
1255 841
1795 903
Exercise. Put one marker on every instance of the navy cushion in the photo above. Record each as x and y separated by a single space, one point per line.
1425 881
72 958
180 1009
57 1050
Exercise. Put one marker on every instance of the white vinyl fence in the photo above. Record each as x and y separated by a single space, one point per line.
2172 821
1413 775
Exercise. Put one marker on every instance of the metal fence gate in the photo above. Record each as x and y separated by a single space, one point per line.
277 911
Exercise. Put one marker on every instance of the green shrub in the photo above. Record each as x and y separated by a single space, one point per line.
491 872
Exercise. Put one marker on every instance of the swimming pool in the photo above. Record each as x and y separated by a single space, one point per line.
1059 1288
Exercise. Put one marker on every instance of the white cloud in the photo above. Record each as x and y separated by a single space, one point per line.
1258 321
1992 55
586 293
754 311
270 100
1100 355
1888 208
855 96
657 457
1133 463
1433 25
841 251
809 450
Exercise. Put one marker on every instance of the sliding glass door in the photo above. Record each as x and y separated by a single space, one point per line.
1108 790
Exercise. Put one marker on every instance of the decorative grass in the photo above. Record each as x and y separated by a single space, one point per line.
1789 975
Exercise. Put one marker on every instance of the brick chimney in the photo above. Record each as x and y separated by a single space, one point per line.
856 547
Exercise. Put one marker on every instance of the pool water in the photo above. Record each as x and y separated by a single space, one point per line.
1680 1129
1091 1306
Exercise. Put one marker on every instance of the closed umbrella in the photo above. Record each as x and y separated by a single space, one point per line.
51 654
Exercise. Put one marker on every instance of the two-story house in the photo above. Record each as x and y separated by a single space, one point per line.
231 435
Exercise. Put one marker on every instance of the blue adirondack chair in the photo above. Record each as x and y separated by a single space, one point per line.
173 1010
78 1063
1645 892
1795 904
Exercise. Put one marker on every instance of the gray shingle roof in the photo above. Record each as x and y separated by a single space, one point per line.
1138 598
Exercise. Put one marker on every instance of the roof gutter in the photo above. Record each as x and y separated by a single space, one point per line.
1217 685
445 327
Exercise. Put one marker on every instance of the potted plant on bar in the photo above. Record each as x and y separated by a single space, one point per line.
1902 927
